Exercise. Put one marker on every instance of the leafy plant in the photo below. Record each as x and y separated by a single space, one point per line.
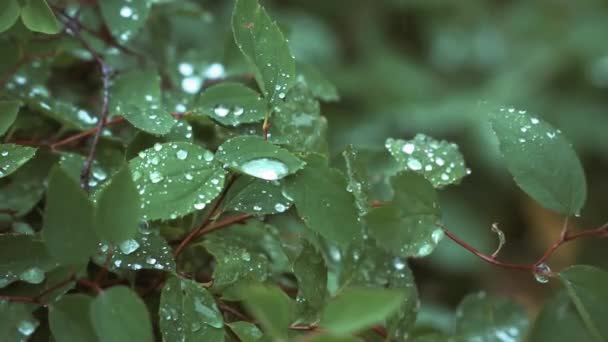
156 190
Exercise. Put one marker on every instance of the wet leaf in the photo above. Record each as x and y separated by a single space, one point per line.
438 161
271 307
68 221
23 257
175 179
124 18
231 104
13 157
247 332
8 109
490 319
256 196
69 319
311 272
541 160
9 13
256 157
265 48
17 322
118 314
188 312
37 16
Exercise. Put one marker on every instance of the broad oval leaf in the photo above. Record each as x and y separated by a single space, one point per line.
18 323
23 257
8 108
188 312
256 196
118 314
118 208
256 157
541 160
124 17
271 307
231 104
9 13
438 161
484 318
323 202
265 48
310 270
69 319
246 331
587 287
13 157
175 179
136 95
37 16
355 309
68 221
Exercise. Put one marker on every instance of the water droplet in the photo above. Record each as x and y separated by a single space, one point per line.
150 260
99 173
541 273
280 207
192 84
208 156
185 69
215 70
221 110
437 235
85 117
156 177
4 153
200 206
26 327
257 208
439 161
424 250
399 264
144 227
534 121
188 176
126 12
128 246
182 154
34 275
158 147
408 148
264 168
238 111
414 164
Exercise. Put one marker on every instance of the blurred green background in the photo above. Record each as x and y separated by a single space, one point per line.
427 66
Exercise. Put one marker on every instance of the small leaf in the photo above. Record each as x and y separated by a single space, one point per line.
23 257
231 104
69 319
246 332
541 160
8 109
175 179
256 196
37 16
17 323
9 13
480 317
587 287
311 272
118 208
118 314
314 80
256 157
188 312
265 49
438 161
271 307
356 309
68 221
13 157
136 95
320 196
124 18
559 321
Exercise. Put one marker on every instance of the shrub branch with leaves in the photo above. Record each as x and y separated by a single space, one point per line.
156 192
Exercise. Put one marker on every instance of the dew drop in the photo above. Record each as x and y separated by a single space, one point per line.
158 147
399 264
182 154
185 69
128 246
208 156
26 327
408 148
200 206
192 84
188 176
414 164
541 273
238 111
221 111
265 168
34 275
126 12
155 177
280 207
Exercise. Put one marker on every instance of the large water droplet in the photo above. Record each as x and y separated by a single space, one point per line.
408 148
238 111
192 84
126 12
221 110
156 177
414 164
129 246
541 273
26 327
182 154
280 207
264 168
34 275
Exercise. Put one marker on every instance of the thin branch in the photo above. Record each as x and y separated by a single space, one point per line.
223 223
84 134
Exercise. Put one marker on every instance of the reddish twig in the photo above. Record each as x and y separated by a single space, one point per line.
90 285
223 223
38 298
84 134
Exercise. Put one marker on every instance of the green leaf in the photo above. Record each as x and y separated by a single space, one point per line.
246 332
587 287
175 179
484 318
8 108
124 18
356 309
13 157
265 49
438 161
103 167
256 157
9 13
541 160
256 196
69 319
271 307
37 16
231 104
408 225
136 95
118 315
23 257
311 272
118 209
357 176
68 221
314 80
323 202
559 321
16 321
188 312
